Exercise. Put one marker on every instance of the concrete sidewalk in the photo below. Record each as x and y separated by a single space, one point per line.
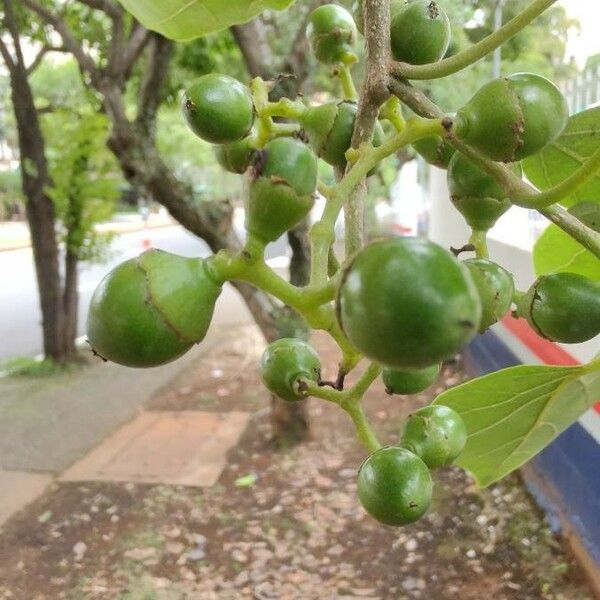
49 423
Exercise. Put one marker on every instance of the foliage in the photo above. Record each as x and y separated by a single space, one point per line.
11 195
512 414
557 161
184 20
85 179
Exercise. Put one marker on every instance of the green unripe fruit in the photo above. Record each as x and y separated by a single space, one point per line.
435 150
496 289
407 303
513 117
330 128
236 156
218 108
437 434
151 309
284 363
420 33
357 11
409 382
563 307
395 486
284 181
331 32
479 198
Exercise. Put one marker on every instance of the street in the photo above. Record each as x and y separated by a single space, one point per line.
20 317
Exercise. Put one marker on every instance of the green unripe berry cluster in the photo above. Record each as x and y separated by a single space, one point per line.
405 304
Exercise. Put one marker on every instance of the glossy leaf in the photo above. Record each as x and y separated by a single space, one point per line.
183 20
555 251
560 159
513 414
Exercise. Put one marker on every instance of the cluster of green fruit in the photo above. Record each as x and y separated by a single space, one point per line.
404 303
394 483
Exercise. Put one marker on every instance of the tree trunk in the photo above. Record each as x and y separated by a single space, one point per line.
71 302
40 212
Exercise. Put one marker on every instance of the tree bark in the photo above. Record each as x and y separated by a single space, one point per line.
39 206
71 302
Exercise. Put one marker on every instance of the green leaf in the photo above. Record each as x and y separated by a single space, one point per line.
246 480
556 251
556 162
184 20
513 414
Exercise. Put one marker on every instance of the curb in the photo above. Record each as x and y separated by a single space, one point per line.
25 245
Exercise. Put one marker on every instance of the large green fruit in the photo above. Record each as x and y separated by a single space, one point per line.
394 486
331 32
436 434
151 309
330 128
218 108
513 117
408 303
236 157
563 307
284 363
479 198
409 382
420 33
284 181
496 289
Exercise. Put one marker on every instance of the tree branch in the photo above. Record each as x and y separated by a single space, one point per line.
35 63
151 88
8 59
474 53
11 24
136 43
373 94
111 9
70 42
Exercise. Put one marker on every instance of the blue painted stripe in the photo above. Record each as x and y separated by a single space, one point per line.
571 464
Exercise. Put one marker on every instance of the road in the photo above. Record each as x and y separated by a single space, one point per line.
20 318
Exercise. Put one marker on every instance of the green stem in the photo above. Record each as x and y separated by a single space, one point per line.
365 433
564 189
249 266
285 108
479 240
473 54
322 232
350 401
392 111
343 73
570 224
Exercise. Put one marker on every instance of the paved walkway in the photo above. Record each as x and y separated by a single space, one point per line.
48 424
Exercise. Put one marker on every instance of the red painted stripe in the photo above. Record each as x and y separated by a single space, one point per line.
547 351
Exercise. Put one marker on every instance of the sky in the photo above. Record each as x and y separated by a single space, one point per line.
587 43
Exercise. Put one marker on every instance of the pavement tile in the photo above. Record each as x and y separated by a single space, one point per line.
18 489
175 448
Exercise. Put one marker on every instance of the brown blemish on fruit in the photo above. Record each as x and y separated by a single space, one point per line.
433 10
